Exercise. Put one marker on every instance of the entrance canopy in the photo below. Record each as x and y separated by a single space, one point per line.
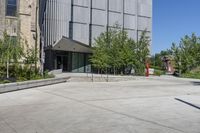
66 44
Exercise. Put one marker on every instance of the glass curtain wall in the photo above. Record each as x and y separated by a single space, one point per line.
78 62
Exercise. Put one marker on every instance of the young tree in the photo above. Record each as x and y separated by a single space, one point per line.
100 58
11 51
186 54
115 50
142 52
126 54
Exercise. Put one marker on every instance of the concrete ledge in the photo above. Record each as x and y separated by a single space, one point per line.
102 79
55 72
30 84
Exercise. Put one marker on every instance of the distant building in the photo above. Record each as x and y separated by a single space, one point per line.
68 27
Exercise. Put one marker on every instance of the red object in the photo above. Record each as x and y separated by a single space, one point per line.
147 69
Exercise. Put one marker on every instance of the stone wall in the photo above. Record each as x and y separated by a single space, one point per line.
24 24
7 23
2 17
27 16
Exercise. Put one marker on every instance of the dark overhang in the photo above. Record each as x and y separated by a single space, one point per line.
66 44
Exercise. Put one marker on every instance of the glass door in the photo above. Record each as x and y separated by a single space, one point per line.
65 63
59 62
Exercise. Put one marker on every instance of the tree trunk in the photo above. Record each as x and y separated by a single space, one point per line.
7 69
107 74
114 71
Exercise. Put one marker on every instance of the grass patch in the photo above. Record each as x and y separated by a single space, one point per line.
158 72
191 75
5 81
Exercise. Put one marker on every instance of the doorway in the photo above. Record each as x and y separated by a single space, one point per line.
62 63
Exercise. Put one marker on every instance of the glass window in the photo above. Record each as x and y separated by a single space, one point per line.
11 8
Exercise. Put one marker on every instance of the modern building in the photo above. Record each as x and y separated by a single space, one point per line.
68 27
19 18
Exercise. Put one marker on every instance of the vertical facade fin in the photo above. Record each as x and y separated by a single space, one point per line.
107 13
71 21
90 24
136 19
123 10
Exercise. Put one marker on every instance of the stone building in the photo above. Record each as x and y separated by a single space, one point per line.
8 17
19 17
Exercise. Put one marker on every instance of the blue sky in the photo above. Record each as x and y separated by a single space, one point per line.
172 19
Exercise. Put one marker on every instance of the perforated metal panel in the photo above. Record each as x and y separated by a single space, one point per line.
82 2
99 4
84 20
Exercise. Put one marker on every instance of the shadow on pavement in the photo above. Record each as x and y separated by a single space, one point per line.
190 104
196 83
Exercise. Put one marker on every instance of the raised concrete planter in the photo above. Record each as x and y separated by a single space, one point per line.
55 72
30 84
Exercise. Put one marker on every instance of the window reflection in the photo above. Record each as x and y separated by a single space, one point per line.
11 8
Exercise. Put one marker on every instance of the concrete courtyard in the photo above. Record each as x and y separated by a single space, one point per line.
135 106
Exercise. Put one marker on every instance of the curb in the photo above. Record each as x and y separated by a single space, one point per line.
4 88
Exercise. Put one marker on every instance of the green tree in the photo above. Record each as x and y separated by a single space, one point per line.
100 58
30 60
186 54
116 51
122 53
11 51
142 52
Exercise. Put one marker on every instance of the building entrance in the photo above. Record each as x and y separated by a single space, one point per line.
62 63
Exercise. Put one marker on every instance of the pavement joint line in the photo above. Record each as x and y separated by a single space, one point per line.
174 79
190 104
90 100
115 112
12 128
30 104
126 98
163 85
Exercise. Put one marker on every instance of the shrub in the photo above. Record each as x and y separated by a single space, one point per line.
156 67
20 79
5 81
2 71
158 72
47 75
191 75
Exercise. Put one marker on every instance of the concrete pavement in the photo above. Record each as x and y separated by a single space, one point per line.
136 106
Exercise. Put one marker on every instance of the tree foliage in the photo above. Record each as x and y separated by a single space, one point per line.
17 59
142 52
115 51
11 51
187 53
